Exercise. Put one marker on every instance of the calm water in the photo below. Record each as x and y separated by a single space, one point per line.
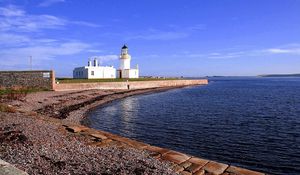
253 122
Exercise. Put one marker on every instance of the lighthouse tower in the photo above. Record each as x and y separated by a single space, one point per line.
125 58
124 69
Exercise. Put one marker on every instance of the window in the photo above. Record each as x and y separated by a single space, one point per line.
92 72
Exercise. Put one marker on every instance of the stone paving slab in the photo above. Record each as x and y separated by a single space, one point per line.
99 136
200 172
182 163
185 173
176 157
198 161
76 129
194 168
8 169
242 171
156 149
215 167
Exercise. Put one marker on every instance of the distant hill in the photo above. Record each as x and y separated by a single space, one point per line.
280 75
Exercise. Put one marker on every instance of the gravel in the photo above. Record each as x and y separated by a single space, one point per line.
41 147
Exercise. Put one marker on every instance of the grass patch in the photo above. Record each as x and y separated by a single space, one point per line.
71 80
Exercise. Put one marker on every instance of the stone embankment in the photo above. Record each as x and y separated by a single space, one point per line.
44 135
181 163
128 85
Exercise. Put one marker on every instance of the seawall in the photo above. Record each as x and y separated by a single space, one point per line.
182 164
41 79
129 85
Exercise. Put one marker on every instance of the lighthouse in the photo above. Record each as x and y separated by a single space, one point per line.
125 58
124 70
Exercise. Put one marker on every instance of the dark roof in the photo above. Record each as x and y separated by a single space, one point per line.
124 47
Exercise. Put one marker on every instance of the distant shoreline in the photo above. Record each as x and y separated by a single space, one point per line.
280 75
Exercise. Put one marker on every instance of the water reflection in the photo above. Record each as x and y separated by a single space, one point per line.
128 115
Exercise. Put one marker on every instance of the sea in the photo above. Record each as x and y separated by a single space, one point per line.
251 122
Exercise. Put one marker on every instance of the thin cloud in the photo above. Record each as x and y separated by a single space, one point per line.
84 23
105 58
47 3
17 56
11 11
295 51
16 19
159 35
17 42
174 32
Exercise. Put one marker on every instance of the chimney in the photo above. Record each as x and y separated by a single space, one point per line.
95 62
89 63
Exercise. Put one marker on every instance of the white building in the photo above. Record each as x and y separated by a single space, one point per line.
124 71
94 71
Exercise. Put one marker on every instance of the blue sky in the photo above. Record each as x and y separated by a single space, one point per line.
166 38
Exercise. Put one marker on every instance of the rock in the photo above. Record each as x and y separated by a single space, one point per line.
100 136
76 129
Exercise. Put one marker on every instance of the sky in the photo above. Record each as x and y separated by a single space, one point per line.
188 38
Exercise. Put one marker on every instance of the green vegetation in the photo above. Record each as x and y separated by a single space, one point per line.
71 80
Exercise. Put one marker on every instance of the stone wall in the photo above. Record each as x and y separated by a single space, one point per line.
42 79
130 84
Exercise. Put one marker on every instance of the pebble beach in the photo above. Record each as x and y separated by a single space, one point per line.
32 138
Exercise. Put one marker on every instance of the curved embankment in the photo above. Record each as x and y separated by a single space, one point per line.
69 108
182 163
129 85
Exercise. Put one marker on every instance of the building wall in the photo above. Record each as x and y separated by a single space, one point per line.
125 62
42 79
128 73
91 72
133 73
131 84
80 72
